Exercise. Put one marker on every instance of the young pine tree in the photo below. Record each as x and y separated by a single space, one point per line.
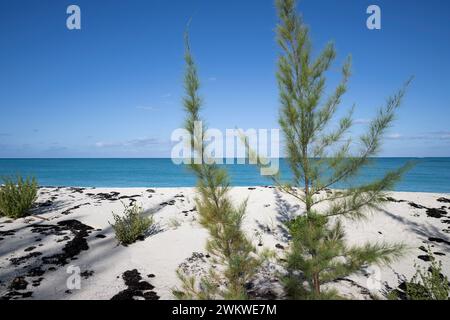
320 155
227 245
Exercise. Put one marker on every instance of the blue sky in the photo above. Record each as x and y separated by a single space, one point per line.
113 88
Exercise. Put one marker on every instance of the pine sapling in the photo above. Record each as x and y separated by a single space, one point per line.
228 245
319 156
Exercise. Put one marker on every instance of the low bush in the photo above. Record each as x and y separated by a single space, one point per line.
132 225
428 284
17 197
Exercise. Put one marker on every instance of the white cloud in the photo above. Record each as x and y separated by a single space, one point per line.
394 136
361 121
437 135
135 143
147 108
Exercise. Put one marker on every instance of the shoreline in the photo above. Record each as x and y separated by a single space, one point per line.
34 250
444 194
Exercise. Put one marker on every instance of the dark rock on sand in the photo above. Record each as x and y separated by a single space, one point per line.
69 211
74 246
136 287
16 294
130 197
65 238
424 257
390 199
439 240
76 190
423 249
47 203
37 282
18 283
35 272
445 200
7 233
21 260
436 213
167 203
112 196
417 206
87 274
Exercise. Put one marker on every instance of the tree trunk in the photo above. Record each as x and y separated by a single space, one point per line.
316 284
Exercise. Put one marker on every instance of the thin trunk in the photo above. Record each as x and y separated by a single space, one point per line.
306 169
316 284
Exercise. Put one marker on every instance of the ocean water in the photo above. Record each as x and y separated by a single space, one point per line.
428 175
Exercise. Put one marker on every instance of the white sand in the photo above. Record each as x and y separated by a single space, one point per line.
180 235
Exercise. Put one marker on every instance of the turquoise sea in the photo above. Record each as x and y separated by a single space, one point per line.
428 175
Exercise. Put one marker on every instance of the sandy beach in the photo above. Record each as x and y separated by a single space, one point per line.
70 229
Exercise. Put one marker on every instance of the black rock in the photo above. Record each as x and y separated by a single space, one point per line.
390 199
438 240
37 282
74 246
20 260
47 203
35 272
19 283
417 206
86 274
436 213
136 287
423 249
424 257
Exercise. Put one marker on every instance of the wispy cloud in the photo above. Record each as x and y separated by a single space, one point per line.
146 108
393 136
135 143
212 79
167 95
361 121
436 135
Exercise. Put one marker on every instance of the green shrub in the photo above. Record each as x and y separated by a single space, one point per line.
17 197
132 226
428 284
